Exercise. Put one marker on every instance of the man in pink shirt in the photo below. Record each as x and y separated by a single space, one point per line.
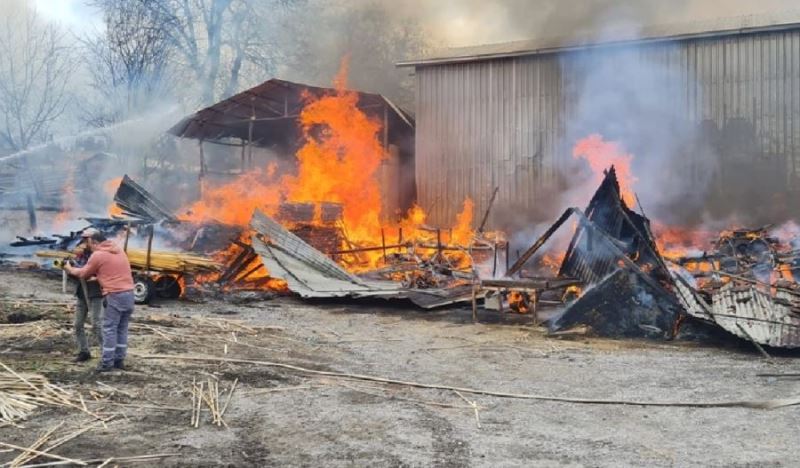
113 271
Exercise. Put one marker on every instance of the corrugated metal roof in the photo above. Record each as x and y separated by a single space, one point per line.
306 257
688 297
268 111
310 274
657 33
752 314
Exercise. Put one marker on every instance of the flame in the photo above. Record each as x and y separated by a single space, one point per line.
69 202
553 260
571 293
518 302
675 242
234 203
252 275
110 187
462 233
602 154
338 163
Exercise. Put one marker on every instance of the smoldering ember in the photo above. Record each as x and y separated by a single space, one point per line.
365 249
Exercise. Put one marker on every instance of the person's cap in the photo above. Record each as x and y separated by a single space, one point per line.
89 232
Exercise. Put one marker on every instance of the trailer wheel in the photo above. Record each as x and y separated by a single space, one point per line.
168 287
142 289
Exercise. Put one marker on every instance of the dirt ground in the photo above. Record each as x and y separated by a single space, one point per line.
282 417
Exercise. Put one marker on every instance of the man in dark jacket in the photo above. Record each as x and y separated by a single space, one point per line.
89 301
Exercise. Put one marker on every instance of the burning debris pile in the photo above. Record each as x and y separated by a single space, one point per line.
268 256
745 284
299 225
611 278
316 225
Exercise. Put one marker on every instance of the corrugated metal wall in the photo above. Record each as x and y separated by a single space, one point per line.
502 123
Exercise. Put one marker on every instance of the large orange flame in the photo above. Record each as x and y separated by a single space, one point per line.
338 163
340 160
602 154
234 203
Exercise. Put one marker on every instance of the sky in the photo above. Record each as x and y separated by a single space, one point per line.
76 15
472 22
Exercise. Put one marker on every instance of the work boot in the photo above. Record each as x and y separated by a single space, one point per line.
83 356
119 364
103 367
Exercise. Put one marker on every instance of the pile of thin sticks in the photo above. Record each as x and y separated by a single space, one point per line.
207 394
159 260
43 446
21 394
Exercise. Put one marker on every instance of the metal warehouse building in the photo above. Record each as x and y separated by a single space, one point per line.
500 115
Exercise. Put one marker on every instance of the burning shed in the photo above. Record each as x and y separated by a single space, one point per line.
262 124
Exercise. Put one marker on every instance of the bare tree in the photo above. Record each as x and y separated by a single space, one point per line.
217 39
130 61
371 34
35 66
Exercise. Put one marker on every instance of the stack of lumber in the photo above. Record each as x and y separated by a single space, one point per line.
172 261
159 260
21 394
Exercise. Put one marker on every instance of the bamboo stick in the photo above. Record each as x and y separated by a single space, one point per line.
45 454
753 404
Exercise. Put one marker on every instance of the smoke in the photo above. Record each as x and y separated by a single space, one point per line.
691 171
470 22
629 98
633 99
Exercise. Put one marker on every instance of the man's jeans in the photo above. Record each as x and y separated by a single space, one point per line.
119 307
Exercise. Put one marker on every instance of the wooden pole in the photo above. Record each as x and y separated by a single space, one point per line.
244 146
494 267
31 212
250 134
202 161
474 303
127 236
383 244
385 128
150 246
400 236
488 210
443 248
439 243
508 246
